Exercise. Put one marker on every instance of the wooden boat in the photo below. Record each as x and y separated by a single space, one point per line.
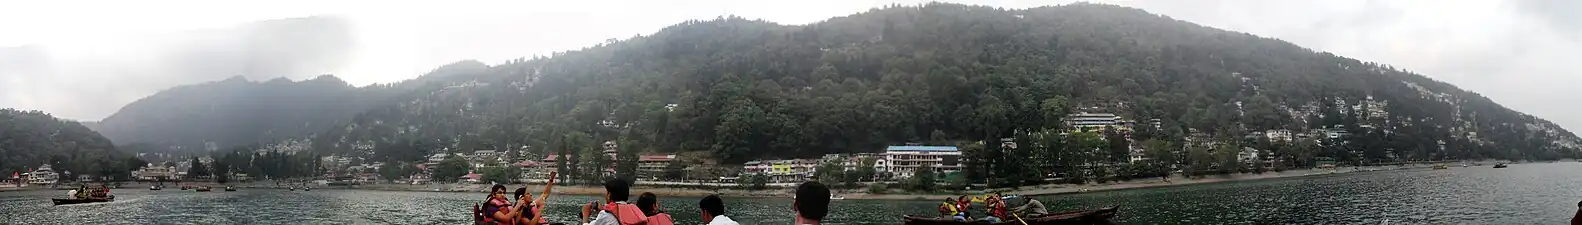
1079 217
1441 167
69 201
229 188
203 189
1500 165
154 188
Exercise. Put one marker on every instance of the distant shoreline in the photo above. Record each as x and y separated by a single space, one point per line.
1040 190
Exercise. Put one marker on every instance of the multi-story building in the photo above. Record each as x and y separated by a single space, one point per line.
1092 120
44 175
156 173
903 161
792 170
1280 135
650 166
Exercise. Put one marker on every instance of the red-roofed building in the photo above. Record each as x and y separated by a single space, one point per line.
652 166
472 178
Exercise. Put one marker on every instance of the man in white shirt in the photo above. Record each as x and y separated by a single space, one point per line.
714 211
811 204
616 192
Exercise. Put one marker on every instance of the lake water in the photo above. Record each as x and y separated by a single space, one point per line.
1541 193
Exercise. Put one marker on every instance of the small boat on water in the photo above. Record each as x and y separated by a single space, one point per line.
184 187
836 197
306 189
204 189
155 188
1441 167
1500 165
69 201
1096 216
230 188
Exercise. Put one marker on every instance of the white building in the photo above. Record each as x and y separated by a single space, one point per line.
156 173
436 158
1278 135
1092 120
44 175
903 161
1247 154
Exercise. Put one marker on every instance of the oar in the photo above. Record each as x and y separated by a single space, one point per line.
1018 218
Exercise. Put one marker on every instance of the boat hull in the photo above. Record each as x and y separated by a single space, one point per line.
66 201
1080 217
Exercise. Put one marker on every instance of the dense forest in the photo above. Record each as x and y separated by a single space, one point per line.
935 73
29 139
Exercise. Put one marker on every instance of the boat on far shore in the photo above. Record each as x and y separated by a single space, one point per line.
1500 165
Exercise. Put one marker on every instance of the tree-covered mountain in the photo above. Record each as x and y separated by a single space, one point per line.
936 73
29 139
236 111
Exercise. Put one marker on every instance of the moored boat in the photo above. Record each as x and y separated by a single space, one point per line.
1440 167
1500 165
69 201
1095 216
230 188
154 188
203 189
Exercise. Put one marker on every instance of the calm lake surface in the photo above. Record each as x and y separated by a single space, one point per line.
1538 193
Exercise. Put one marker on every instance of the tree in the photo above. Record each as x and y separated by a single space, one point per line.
395 171
197 170
500 174
923 179
451 168
830 172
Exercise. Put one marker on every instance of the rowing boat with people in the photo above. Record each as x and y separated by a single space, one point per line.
1078 217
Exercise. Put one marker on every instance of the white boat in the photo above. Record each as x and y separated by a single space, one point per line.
836 197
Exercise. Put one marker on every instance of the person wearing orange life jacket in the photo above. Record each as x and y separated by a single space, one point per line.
964 205
497 209
998 211
616 211
649 203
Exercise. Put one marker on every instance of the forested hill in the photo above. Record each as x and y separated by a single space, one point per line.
936 73
29 139
236 111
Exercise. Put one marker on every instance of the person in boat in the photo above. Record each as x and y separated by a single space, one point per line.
997 209
1577 219
964 205
497 209
616 210
649 203
532 209
811 204
1030 207
948 210
712 208
71 194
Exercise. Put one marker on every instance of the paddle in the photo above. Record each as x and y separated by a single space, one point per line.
1018 218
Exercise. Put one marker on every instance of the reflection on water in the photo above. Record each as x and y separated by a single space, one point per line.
1522 194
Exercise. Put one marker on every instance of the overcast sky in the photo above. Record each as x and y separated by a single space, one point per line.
85 59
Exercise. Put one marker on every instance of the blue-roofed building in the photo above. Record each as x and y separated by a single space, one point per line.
903 161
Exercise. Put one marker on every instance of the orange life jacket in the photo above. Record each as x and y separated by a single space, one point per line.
627 214
660 219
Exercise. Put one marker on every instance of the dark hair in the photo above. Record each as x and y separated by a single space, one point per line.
713 205
812 200
646 202
618 189
520 192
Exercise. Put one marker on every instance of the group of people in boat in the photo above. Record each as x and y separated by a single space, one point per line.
83 192
809 208
996 206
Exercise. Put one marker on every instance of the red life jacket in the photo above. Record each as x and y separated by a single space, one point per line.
492 206
660 219
627 214
998 209
963 206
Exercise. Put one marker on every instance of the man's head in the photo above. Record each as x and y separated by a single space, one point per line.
812 201
948 199
711 206
964 198
617 190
